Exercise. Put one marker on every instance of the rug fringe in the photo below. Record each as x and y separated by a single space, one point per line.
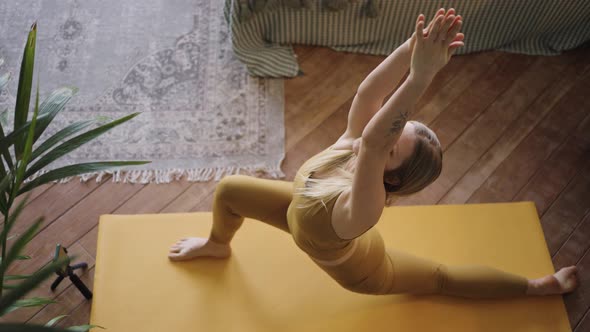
159 176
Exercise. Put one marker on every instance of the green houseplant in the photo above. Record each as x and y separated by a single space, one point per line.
24 161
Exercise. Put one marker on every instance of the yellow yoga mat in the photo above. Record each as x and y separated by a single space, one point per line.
269 284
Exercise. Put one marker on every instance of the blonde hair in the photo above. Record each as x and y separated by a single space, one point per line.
419 170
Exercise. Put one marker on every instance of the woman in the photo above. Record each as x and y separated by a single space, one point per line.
339 194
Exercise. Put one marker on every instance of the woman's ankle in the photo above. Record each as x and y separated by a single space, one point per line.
534 287
217 243
547 285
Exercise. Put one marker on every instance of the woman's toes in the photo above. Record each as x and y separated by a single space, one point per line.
175 256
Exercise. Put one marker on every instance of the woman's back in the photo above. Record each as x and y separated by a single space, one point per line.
313 231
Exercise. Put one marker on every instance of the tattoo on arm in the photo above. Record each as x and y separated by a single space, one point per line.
398 124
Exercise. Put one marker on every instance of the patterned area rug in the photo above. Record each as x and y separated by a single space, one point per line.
202 116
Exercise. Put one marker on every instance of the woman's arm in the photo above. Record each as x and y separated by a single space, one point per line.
363 204
375 87
379 83
431 53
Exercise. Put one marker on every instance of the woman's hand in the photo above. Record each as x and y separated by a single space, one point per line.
441 12
435 45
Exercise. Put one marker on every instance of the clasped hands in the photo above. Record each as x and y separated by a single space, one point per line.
432 47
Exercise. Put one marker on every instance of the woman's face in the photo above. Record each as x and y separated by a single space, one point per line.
400 151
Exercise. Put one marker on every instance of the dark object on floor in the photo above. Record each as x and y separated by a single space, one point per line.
68 271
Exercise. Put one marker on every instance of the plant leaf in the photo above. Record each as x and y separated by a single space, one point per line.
75 143
21 327
26 303
51 106
8 226
4 190
4 145
23 94
20 173
17 277
55 320
6 141
4 185
61 135
77 169
29 284
19 244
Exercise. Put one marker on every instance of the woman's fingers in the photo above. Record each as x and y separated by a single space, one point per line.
454 30
437 14
436 29
440 12
454 46
428 28
420 18
458 37
446 26
420 30
457 19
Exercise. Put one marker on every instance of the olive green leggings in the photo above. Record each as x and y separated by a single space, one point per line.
371 268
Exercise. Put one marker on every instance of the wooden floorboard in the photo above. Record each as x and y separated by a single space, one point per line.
584 325
464 134
516 170
451 82
560 81
571 253
328 81
33 194
568 210
499 116
577 303
575 246
54 202
557 171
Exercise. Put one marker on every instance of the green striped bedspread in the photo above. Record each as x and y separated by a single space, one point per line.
262 40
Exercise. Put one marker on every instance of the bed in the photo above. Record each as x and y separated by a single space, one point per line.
262 32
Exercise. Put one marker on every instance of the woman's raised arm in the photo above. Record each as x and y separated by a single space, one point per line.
431 53
380 82
363 204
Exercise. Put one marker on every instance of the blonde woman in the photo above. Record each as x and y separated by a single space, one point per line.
339 194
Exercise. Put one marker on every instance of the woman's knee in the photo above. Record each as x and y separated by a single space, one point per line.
229 185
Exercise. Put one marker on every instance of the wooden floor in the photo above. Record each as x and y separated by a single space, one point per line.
513 127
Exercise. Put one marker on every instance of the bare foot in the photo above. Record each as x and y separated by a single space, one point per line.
561 282
193 247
